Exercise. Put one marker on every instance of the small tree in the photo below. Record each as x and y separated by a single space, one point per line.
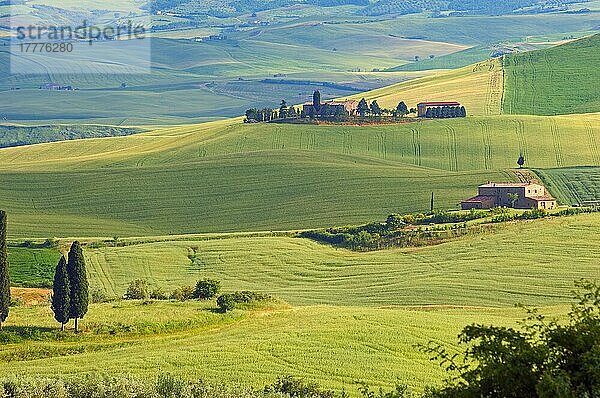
283 110
375 108
78 284
4 276
402 109
521 161
513 198
137 290
61 294
363 107
207 289
226 302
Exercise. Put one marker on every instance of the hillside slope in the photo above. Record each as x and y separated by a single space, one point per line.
556 81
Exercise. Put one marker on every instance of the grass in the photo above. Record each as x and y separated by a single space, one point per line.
560 80
495 269
32 267
253 348
573 185
226 176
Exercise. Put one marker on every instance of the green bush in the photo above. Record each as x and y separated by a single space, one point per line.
158 294
137 290
226 302
297 388
183 293
207 289
98 295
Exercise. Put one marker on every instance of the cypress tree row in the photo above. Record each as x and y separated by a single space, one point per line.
78 284
60 294
4 277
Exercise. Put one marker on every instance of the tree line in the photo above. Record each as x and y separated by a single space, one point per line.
445 112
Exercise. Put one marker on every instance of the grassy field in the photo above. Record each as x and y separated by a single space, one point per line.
573 185
249 348
560 80
226 176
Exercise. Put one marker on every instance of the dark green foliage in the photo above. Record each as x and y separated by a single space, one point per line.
317 101
61 293
158 294
375 108
542 358
363 107
137 290
294 387
207 289
401 109
78 283
4 272
226 302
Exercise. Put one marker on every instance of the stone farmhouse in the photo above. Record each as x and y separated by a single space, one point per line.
525 196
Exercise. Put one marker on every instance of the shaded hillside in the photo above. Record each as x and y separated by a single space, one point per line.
559 80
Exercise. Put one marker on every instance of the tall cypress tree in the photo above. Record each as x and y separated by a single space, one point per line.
78 284
4 277
60 294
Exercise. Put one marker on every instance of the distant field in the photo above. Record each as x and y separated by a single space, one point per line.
560 80
573 185
226 176
478 87
251 349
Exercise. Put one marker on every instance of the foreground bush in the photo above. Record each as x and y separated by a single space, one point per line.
137 290
228 301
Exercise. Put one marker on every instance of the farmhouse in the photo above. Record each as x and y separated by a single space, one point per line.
331 108
524 195
423 107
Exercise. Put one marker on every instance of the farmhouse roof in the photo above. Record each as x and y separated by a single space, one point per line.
506 185
480 199
543 198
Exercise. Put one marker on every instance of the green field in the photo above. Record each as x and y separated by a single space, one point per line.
375 345
560 80
573 185
32 267
226 176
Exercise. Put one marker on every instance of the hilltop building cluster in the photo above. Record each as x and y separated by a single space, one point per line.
527 195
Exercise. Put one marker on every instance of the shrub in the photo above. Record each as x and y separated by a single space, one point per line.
183 293
137 290
158 294
226 302
297 388
98 295
207 289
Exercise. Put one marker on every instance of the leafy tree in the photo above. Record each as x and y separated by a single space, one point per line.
137 290
183 293
4 276
61 294
375 109
513 198
78 284
521 161
226 302
402 109
543 358
363 107
207 289
283 110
